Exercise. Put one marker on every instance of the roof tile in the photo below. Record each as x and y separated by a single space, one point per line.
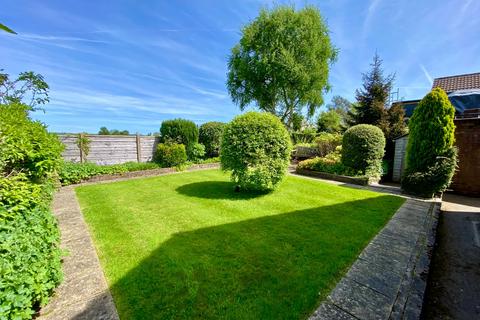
460 82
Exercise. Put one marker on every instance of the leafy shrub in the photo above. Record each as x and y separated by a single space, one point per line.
170 154
363 148
435 179
256 148
329 164
196 152
71 173
210 135
179 131
307 135
26 145
431 158
30 265
432 131
327 142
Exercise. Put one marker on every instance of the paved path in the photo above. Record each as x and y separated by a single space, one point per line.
84 292
454 283
385 282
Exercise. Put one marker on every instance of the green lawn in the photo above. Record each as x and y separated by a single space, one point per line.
186 246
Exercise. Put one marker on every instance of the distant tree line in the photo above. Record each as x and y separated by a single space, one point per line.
105 132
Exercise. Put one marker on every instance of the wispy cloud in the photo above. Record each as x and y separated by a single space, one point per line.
427 74
371 10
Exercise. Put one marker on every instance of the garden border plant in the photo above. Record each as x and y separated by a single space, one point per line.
30 262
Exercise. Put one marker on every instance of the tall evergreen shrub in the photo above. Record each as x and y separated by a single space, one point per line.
179 131
432 131
431 156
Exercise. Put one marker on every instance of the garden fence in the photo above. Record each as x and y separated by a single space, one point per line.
108 149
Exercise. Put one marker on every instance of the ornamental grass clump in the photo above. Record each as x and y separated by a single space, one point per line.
256 149
431 156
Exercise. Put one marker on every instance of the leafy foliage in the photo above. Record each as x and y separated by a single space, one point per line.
30 265
6 29
434 179
29 88
432 131
282 62
371 106
210 135
83 144
179 131
431 158
363 148
196 152
104 131
25 145
329 121
343 108
307 135
171 154
327 143
256 147
331 163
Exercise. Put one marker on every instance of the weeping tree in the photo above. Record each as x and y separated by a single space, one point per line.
281 63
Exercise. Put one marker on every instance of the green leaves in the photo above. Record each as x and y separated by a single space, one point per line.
363 148
256 148
6 29
282 61
30 266
432 131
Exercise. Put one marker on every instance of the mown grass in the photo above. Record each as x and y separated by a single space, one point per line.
187 246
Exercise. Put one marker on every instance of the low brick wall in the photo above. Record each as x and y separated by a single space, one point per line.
362 181
148 173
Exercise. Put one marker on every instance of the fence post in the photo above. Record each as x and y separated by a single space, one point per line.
139 148
80 146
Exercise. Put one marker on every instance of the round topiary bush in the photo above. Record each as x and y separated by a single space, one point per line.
256 149
170 154
210 135
363 147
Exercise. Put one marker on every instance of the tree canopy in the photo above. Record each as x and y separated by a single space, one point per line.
29 88
282 62
104 131
372 99
329 121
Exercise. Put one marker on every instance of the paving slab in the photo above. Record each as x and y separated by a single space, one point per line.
388 279
84 292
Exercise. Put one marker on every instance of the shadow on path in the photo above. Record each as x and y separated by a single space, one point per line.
453 290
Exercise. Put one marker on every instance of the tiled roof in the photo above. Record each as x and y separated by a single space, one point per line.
460 82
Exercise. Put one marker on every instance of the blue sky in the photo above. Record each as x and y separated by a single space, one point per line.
131 64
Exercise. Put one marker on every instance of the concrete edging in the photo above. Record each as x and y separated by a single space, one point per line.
389 278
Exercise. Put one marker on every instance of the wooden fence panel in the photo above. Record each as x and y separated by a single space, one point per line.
106 149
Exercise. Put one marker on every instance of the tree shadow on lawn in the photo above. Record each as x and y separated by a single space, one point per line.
273 267
217 190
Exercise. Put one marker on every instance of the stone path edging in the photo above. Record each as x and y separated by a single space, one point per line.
389 278
84 293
